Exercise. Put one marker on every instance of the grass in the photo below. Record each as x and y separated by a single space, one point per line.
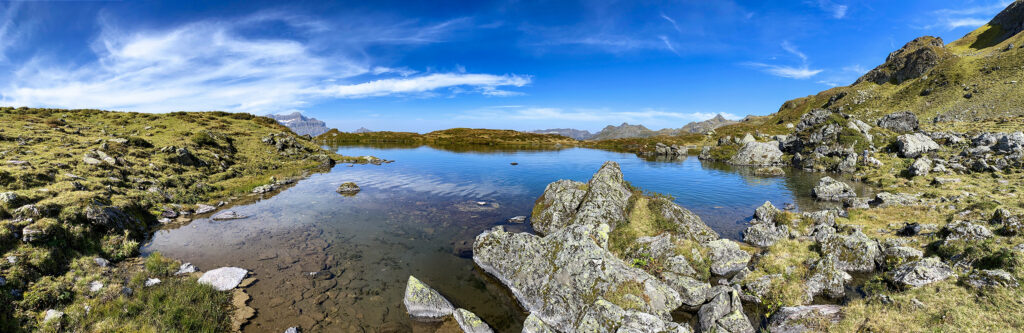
790 259
139 175
449 137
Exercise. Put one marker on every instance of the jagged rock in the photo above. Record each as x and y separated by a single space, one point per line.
886 199
110 217
348 188
991 278
470 323
224 278
854 253
535 325
911 61
326 162
832 190
557 205
606 200
551 276
764 234
826 279
676 270
922 272
724 313
758 154
895 256
967 231
921 167
914 145
806 318
683 222
605 316
1008 143
203 209
727 257
900 122
814 118
423 302
228 215
754 290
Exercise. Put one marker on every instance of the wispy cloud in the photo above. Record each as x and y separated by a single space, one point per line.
8 33
837 10
793 72
668 44
545 115
211 65
672 21
973 16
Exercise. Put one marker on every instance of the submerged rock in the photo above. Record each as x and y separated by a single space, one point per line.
228 215
807 318
224 278
470 323
348 188
922 272
832 190
423 302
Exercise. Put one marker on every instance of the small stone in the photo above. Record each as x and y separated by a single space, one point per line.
95 286
203 209
348 188
52 315
292 329
152 282
101 262
517 219
470 323
423 302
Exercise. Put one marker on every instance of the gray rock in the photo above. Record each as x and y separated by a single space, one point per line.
895 256
755 290
607 198
8 198
727 257
228 215
827 279
683 222
832 190
470 323
921 167
110 217
886 199
3 281
967 231
292 329
203 209
1007 143
758 154
95 286
517 219
184 157
224 278
264 188
557 205
52 315
606 317
922 272
533 324
806 318
152 282
900 122
551 276
854 253
101 262
423 302
764 234
991 278
724 313
914 145
348 188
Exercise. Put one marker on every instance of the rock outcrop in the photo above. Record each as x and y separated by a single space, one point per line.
807 318
758 154
425 303
899 122
832 190
914 145
300 124
912 61
919 273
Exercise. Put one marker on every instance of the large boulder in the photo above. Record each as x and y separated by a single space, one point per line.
886 199
966 231
533 324
763 231
224 278
606 317
832 190
854 253
727 257
921 167
554 276
806 318
724 313
110 217
827 279
914 145
606 200
758 154
900 122
425 303
682 221
991 278
919 273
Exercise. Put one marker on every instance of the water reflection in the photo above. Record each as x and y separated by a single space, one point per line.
327 262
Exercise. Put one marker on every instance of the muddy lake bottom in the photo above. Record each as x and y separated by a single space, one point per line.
332 263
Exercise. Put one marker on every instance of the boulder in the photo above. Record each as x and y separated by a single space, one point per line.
921 167
535 325
727 257
605 316
966 231
854 253
832 190
919 273
224 278
764 234
470 323
914 145
228 215
991 278
110 217
606 200
826 279
724 313
772 171
552 276
204 209
423 302
682 221
758 154
806 318
886 199
556 207
1008 143
899 122
895 256
348 188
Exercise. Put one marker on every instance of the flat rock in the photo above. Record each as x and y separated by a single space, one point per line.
922 272
832 190
758 154
224 278
423 302
807 318
228 215
854 253
203 209
991 278
914 145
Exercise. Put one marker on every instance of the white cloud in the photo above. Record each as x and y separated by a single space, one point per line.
668 45
544 115
969 17
210 65
786 45
837 10
8 33
672 21
802 72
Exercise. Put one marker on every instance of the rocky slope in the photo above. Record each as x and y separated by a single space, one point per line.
81 189
300 124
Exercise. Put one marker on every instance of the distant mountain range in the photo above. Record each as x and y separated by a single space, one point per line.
363 130
567 132
625 130
300 124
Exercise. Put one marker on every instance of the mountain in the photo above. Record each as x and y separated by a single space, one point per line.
623 131
363 130
300 124
567 132
707 125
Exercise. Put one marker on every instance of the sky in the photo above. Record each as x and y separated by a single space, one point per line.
429 65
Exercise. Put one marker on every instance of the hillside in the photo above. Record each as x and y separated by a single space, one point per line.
454 136
80 190
567 132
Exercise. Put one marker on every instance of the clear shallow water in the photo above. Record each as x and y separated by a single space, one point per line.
416 216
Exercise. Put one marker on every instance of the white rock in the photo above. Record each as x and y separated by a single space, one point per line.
52 314
186 268
152 282
224 278
95 286
101 262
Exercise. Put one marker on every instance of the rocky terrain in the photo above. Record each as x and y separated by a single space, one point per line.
701 127
300 124
567 132
81 189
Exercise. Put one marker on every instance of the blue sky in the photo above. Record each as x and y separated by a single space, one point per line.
421 66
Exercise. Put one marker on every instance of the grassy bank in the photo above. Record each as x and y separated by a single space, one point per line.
77 185
449 137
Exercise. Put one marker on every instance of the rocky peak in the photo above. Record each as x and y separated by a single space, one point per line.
911 61
1010 20
300 124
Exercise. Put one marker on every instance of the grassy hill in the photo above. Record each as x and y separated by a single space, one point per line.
454 136
78 185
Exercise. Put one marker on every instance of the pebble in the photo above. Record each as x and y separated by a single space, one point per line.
152 282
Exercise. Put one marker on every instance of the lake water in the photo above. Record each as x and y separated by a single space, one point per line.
328 262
